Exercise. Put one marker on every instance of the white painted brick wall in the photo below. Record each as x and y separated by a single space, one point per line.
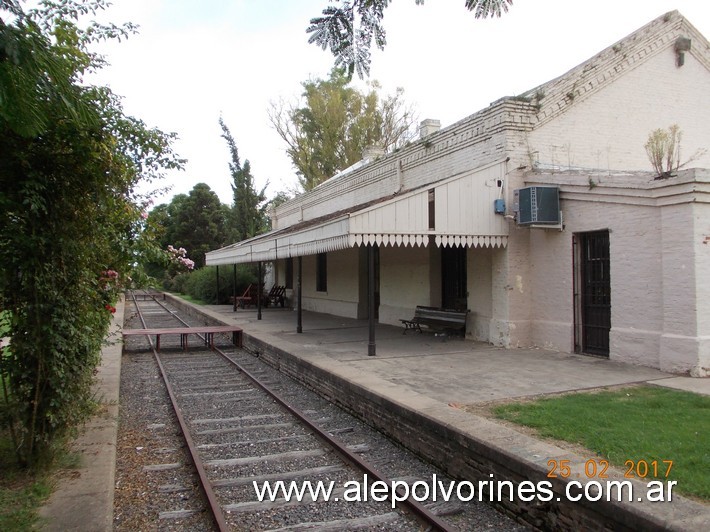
608 129
659 268
342 296
686 264
404 282
701 243
480 297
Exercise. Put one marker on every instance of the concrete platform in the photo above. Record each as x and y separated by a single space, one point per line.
686 384
451 371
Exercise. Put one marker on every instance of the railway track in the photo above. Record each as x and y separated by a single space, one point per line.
244 425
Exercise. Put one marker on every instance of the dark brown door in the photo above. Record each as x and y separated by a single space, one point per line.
454 293
596 292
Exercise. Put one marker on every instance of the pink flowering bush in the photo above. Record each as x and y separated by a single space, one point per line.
108 278
178 258
109 287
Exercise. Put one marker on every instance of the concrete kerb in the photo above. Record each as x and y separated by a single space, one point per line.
467 446
84 499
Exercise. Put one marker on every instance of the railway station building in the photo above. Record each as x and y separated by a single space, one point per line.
541 215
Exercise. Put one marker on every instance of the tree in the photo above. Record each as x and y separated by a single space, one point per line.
42 53
70 162
196 222
248 213
333 125
349 28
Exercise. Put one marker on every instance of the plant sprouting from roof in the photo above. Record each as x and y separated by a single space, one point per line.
663 150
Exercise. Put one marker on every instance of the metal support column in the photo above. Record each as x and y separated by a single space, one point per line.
299 279
217 297
234 287
371 347
258 294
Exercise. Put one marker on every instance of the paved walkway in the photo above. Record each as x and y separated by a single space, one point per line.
83 499
453 371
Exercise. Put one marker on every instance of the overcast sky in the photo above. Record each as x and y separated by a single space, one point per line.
196 60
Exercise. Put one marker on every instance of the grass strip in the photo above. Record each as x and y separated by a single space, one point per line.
189 298
21 492
630 424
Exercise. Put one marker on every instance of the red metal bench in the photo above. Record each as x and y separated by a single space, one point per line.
243 300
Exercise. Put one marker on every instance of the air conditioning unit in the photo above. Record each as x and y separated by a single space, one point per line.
538 206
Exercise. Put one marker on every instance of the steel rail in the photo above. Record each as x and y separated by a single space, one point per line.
419 510
205 484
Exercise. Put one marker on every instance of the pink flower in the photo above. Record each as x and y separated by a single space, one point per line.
179 257
109 275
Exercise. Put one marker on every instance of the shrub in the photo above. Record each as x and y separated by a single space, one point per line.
202 284
663 150
178 283
72 218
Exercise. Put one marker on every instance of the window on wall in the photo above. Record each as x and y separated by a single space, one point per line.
289 273
321 272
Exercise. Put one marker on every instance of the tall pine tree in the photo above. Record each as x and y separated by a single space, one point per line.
248 216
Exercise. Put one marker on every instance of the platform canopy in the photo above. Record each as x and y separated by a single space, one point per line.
456 212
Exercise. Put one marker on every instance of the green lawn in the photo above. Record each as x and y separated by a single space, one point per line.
189 298
637 423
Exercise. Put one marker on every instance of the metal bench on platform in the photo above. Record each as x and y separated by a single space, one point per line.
276 296
208 330
437 318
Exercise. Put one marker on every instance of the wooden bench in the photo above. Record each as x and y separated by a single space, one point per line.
208 330
251 296
243 300
437 318
277 295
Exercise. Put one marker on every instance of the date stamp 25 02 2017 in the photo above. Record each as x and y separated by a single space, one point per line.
598 468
